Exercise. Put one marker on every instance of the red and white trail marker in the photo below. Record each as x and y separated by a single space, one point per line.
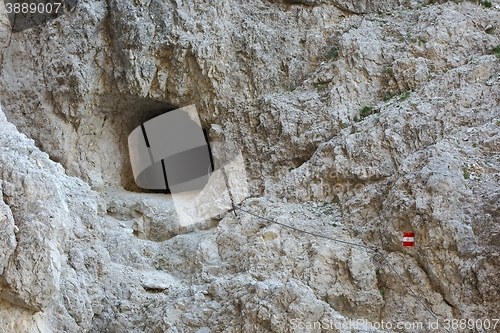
408 239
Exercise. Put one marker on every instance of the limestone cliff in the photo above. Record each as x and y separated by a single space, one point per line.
358 120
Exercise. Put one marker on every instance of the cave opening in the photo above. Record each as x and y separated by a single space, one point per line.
163 149
124 114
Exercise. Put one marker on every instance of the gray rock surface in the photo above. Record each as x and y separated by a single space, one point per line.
53 257
358 120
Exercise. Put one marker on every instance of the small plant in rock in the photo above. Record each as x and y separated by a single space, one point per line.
366 110
334 224
382 293
377 271
466 173
405 95
484 3
496 51
333 54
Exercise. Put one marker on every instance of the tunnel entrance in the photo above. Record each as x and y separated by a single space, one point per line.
120 115
170 152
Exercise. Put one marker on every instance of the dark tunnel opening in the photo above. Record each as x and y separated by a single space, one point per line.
140 114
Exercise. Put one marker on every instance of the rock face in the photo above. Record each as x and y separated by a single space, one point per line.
358 120
52 256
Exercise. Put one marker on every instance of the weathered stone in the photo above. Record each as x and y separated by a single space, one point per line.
357 120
